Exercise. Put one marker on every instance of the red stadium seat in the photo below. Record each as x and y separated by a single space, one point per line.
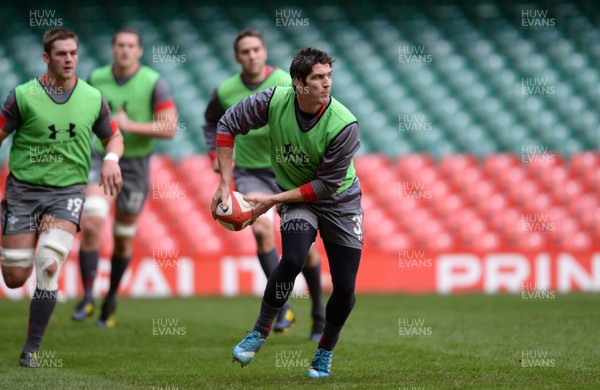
455 164
585 161
488 242
448 205
439 242
579 241
414 162
391 243
458 204
495 164
537 164
440 189
467 179
538 203
511 177
591 178
531 241
194 165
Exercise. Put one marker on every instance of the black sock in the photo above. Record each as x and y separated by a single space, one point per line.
88 263
265 319
268 261
40 309
118 267
281 282
313 280
295 244
343 265
330 336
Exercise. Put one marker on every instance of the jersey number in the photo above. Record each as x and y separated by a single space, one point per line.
358 219
74 206
135 200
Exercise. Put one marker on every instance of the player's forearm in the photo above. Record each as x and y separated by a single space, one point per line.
114 144
291 196
225 159
161 128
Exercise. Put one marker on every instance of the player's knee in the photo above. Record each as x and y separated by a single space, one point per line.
12 279
52 250
16 266
263 230
96 206
17 258
92 230
51 269
291 264
124 230
314 257
124 234
344 290
13 282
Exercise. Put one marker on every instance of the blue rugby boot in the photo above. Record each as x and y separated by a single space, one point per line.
244 352
321 364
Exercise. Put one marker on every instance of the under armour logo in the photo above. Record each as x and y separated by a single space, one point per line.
70 130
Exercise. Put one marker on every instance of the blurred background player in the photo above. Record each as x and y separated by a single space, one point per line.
143 110
313 138
253 172
52 118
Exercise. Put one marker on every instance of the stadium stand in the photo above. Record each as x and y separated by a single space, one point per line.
458 154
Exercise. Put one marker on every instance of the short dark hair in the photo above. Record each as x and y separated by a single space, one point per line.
303 61
129 30
247 33
57 34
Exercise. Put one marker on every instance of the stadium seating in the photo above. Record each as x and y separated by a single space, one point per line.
494 204
443 136
465 88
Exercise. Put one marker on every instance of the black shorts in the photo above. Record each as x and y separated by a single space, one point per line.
340 227
136 175
26 207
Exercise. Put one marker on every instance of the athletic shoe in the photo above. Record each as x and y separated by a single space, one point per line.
321 364
244 352
84 310
29 359
107 316
286 319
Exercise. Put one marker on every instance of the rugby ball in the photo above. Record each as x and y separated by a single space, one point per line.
238 214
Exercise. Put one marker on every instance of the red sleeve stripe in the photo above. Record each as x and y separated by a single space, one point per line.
225 140
113 126
2 122
308 194
164 105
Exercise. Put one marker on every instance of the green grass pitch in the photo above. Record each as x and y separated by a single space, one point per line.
389 342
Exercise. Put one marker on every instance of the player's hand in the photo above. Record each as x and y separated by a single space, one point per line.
261 204
221 196
110 177
122 120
